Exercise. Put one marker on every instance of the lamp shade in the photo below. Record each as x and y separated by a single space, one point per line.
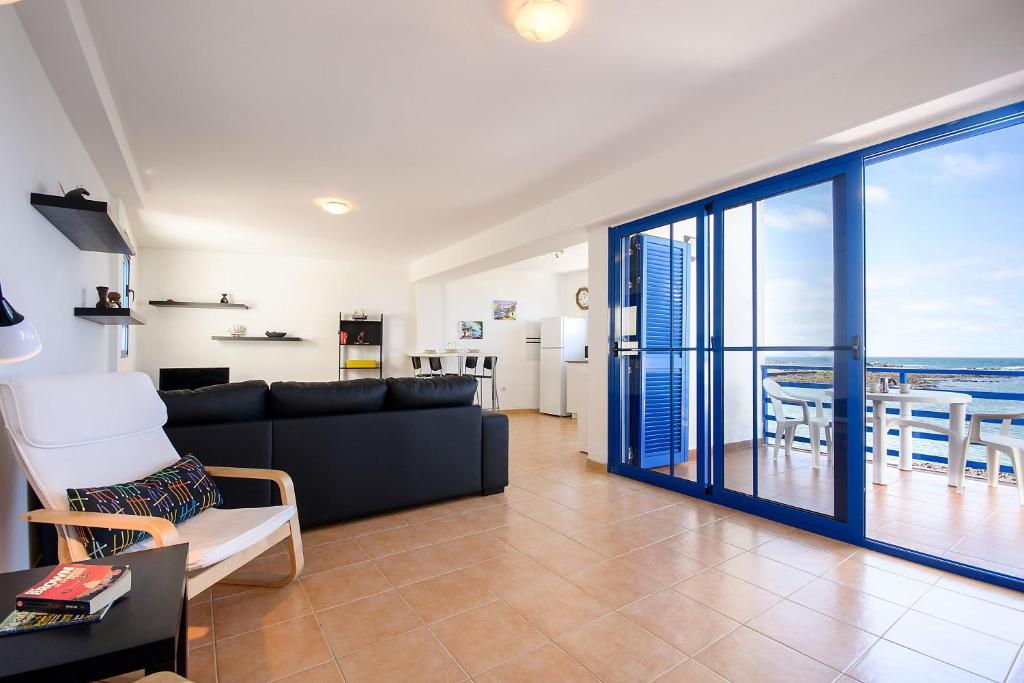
19 339
542 21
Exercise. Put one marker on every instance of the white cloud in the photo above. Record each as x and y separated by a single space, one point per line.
876 194
795 219
966 165
1007 274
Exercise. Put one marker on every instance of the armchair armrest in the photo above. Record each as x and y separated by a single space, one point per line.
805 409
279 477
162 530
977 418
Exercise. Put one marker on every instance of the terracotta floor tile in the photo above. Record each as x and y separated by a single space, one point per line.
202 667
615 583
259 608
375 523
445 595
474 549
680 621
662 561
705 549
416 657
615 649
850 606
746 655
525 534
330 555
324 534
487 636
415 565
563 556
803 557
896 565
820 637
557 606
492 518
888 662
732 597
549 663
446 528
974 613
345 584
953 644
877 582
200 624
740 535
508 574
392 541
325 673
766 573
355 625
273 652
983 591
691 671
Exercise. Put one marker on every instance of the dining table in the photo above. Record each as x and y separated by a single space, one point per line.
881 422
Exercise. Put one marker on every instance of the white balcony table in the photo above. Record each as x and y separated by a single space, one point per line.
955 402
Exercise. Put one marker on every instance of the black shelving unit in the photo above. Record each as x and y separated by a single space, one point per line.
171 303
110 316
85 222
362 334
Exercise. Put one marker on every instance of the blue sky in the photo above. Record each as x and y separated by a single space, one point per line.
945 249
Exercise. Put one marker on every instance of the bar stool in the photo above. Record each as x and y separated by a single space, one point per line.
436 366
417 366
469 370
488 372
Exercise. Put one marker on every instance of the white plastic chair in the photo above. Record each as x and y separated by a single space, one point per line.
816 421
1003 442
77 431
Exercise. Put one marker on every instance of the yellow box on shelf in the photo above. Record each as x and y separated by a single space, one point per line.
356 363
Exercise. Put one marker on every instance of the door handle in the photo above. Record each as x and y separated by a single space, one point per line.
620 351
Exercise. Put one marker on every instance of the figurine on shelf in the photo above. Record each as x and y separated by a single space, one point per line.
359 314
102 291
115 299
237 331
224 298
76 195
361 337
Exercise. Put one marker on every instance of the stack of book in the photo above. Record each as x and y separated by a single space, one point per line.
71 594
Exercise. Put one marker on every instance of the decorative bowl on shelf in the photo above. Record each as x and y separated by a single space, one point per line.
275 335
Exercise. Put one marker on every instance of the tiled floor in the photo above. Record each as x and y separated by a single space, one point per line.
575 575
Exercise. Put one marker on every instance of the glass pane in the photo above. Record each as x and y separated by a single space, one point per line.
795 424
794 268
738 415
738 289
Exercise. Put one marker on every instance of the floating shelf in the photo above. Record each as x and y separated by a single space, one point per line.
267 339
170 303
84 222
110 316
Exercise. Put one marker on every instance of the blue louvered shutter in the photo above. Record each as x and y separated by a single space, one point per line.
662 328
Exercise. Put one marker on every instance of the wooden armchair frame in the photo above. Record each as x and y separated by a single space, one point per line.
164 533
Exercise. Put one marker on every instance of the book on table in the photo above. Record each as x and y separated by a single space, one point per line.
76 589
26 622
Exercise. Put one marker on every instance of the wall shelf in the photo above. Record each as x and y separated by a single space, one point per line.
170 303
84 222
263 339
110 316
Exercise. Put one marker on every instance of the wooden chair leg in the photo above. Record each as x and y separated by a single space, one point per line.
293 546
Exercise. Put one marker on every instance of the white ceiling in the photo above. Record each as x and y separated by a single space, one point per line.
568 260
434 119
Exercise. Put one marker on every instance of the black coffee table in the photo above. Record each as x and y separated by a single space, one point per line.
143 630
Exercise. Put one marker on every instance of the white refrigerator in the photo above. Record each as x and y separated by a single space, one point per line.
561 339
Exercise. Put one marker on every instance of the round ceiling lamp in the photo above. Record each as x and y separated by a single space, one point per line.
8 2
542 21
336 207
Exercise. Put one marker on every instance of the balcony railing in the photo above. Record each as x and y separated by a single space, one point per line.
921 439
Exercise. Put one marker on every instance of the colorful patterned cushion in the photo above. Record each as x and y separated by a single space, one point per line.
176 493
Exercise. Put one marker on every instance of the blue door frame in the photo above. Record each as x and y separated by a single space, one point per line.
849 522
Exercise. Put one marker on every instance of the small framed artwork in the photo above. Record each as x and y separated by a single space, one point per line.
505 310
471 329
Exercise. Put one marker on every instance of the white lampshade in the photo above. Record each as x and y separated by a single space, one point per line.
19 342
543 20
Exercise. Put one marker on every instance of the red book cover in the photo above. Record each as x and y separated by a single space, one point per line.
71 588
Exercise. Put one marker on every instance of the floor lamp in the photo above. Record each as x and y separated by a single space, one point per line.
19 339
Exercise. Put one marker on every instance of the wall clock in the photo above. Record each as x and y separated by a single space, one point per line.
583 298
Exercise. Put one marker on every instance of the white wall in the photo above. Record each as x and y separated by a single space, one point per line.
471 298
568 283
43 274
301 296
598 331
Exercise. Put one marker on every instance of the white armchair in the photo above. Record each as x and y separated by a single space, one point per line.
1002 442
76 431
816 420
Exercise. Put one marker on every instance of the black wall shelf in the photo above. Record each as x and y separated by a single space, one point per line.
373 338
110 316
84 222
170 303
265 339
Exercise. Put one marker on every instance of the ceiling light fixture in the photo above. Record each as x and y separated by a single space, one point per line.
8 2
336 207
543 20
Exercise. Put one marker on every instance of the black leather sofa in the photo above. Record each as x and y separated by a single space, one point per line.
352 448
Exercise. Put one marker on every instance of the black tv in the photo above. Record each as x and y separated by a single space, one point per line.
192 378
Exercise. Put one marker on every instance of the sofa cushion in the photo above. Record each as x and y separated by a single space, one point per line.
235 402
412 393
310 399
176 493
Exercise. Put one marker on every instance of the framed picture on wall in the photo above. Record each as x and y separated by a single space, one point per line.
471 329
505 310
